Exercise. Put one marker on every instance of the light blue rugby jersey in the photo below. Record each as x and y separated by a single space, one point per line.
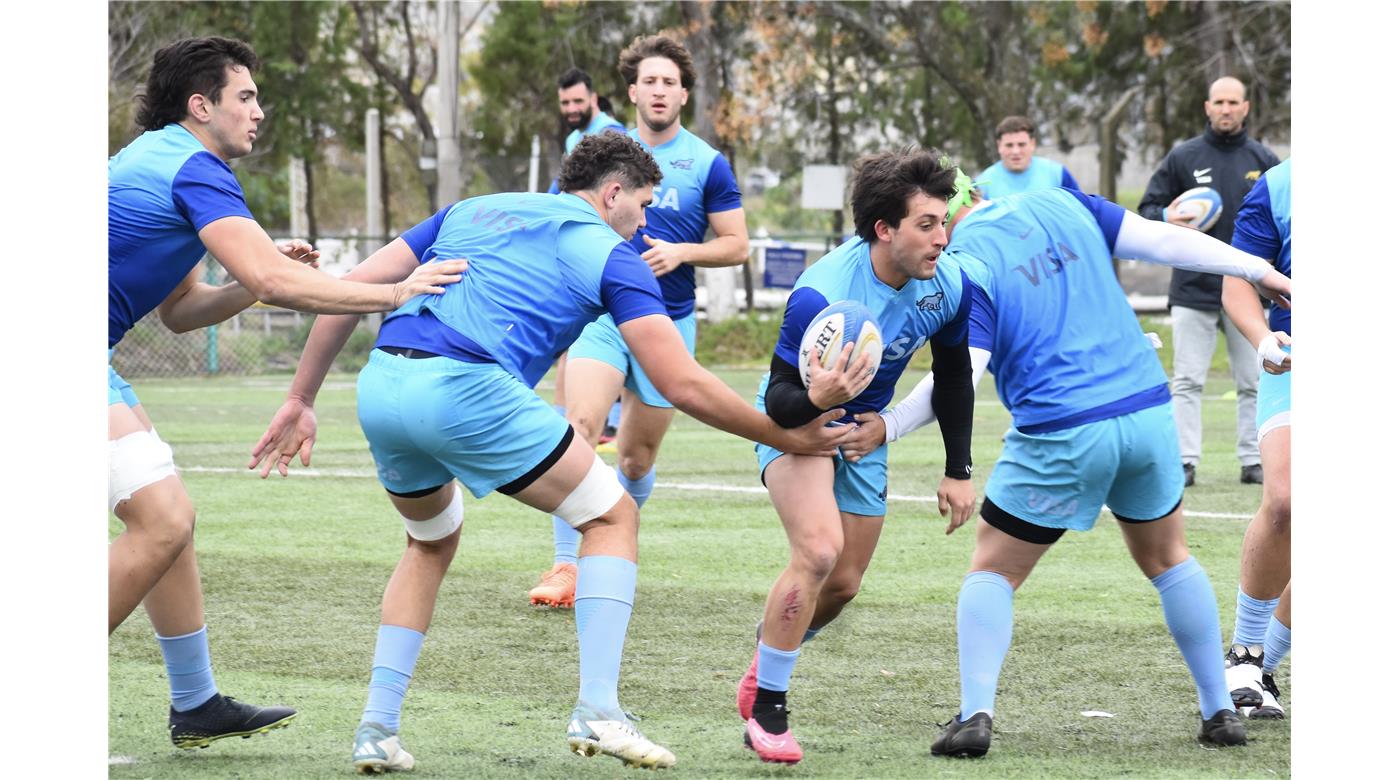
542 267
908 317
1264 228
162 189
1066 348
696 181
1041 174
597 124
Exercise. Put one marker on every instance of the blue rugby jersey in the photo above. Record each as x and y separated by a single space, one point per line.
696 181
908 317
1041 174
598 124
1066 348
1264 228
542 267
162 189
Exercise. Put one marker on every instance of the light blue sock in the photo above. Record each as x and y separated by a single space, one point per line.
984 636
1188 603
565 542
639 489
1277 641
1251 619
395 655
615 414
602 609
808 634
187 665
775 667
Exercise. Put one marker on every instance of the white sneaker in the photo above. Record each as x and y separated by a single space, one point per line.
1244 672
378 751
1270 709
593 731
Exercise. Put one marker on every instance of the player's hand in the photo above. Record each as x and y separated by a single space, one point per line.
663 257
1272 358
1277 288
868 437
291 432
826 389
430 278
302 252
958 496
816 438
1177 218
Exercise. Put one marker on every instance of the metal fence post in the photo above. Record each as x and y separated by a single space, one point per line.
211 333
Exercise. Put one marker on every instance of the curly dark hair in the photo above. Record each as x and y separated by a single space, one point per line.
604 156
647 46
193 66
884 183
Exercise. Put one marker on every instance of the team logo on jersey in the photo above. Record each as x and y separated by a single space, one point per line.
931 302
683 164
1252 176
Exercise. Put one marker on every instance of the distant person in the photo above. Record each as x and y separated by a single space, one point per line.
1226 159
1020 170
171 197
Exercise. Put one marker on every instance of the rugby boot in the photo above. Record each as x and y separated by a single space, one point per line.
969 738
1224 728
378 750
748 689
1244 670
772 748
592 731
1269 709
223 716
556 588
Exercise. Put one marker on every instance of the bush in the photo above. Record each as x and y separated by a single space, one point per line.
745 340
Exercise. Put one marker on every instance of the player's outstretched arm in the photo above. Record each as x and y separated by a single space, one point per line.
194 304
1158 242
658 347
243 247
292 431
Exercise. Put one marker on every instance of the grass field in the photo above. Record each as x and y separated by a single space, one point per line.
294 570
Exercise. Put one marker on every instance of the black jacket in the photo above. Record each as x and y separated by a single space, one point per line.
1228 163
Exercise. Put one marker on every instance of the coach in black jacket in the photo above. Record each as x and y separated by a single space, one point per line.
1225 158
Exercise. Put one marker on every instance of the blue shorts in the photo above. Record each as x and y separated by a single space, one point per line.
1062 479
601 340
1275 403
432 419
860 487
118 390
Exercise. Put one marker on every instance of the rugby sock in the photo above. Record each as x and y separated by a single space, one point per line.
639 489
187 665
565 542
1188 603
602 609
775 667
808 634
1251 618
395 655
984 636
1277 641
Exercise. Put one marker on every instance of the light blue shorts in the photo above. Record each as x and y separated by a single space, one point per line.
1275 403
601 340
119 390
430 420
1062 479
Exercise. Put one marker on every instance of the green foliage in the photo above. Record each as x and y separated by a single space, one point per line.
745 340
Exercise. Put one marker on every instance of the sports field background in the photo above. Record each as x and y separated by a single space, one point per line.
294 570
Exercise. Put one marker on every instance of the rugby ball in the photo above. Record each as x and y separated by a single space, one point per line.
1201 205
841 323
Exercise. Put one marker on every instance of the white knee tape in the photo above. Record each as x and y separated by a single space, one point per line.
593 497
441 526
135 461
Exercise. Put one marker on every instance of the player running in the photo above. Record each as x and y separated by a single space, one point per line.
1263 611
171 197
447 397
832 509
1092 425
697 192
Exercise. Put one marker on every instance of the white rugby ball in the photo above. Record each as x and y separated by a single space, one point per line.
834 327
1201 205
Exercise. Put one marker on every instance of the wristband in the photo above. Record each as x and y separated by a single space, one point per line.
958 472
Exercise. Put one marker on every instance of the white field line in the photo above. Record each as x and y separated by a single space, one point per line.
695 486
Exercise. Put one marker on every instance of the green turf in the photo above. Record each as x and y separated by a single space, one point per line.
294 569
